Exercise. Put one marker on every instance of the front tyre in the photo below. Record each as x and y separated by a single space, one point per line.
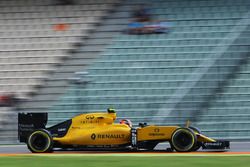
40 141
183 140
198 144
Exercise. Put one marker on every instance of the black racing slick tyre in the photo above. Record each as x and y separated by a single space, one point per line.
198 144
40 141
183 140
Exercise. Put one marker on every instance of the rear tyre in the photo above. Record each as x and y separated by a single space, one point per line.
183 140
40 141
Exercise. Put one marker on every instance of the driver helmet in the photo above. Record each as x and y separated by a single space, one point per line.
127 122
111 110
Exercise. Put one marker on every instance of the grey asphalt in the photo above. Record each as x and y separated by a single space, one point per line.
235 147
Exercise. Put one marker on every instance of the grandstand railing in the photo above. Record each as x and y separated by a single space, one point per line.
174 105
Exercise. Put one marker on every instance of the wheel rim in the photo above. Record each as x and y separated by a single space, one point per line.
39 142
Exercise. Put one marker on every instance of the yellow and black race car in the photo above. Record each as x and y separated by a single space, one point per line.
98 130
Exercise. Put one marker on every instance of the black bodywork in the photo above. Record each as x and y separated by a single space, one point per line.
28 122
219 144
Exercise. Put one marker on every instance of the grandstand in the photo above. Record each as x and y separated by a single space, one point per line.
197 71
37 37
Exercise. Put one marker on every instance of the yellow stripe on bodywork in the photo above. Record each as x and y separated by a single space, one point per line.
203 138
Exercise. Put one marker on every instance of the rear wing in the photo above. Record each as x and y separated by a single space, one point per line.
28 122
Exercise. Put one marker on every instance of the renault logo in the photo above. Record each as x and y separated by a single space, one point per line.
93 136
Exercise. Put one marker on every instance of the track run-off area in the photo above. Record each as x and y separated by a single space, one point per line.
237 149
137 154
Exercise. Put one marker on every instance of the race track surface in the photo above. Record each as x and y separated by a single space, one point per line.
236 148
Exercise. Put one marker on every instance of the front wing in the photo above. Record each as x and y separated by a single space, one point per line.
218 145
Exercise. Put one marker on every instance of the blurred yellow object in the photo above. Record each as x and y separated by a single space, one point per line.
98 130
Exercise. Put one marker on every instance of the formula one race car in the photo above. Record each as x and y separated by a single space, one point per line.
98 130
